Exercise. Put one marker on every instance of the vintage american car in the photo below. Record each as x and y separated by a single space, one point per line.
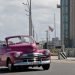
23 51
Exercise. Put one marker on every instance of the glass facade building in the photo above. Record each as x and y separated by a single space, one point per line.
65 22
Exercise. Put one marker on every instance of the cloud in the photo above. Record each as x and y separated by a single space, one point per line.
13 19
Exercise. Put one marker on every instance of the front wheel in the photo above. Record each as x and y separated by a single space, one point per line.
10 66
46 66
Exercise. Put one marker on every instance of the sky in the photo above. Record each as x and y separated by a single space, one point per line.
14 19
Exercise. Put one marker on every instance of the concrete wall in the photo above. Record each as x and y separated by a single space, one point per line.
70 52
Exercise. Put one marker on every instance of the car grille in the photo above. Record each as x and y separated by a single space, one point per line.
30 60
33 57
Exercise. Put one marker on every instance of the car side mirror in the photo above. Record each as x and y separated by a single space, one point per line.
37 43
4 45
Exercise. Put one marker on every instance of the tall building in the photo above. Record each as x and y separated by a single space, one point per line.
67 8
72 22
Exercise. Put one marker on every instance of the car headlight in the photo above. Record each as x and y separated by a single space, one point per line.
47 52
17 54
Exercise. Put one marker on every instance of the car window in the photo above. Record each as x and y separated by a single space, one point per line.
21 39
14 40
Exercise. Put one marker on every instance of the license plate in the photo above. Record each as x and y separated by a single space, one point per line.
33 63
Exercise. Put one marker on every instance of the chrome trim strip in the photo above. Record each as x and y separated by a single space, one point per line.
32 63
32 54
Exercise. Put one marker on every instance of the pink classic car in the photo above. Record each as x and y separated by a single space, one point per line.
23 51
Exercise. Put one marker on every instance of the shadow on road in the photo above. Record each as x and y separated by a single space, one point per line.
5 70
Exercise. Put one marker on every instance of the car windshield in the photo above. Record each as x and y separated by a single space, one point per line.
20 39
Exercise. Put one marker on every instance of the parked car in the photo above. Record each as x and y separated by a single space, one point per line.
23 51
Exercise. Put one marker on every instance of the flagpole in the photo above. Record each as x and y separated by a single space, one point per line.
50 29
55 25
47 38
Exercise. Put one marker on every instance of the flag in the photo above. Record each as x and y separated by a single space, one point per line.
51 29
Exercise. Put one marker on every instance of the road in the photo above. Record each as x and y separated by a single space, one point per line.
56 69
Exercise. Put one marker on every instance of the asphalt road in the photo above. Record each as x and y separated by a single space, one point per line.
56 69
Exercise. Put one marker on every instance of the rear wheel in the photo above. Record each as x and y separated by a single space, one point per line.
10 66
46 66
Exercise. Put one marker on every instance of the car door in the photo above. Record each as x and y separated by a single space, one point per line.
0 54
2 50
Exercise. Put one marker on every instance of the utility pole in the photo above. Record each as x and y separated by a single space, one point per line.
33 31
31 27
30 20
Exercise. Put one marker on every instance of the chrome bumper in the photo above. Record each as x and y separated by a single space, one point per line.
35 63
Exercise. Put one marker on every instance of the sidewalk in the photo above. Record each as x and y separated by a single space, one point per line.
54 57
68 60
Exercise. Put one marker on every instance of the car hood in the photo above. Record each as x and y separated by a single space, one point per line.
25 48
